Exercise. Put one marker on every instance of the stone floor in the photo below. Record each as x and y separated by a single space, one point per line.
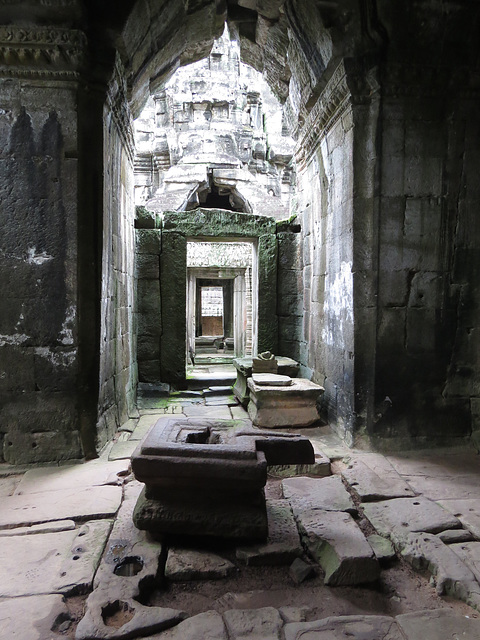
362 545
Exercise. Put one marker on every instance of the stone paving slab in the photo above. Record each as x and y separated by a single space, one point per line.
145 423
369 486
208 625
442 488
396 518
8 485
467 511
335 541
439 624
123 450
184 565
73 476
129 425
351 627
144 621
283 544
450 536
62 562
32 617
452 576
201 411
75 504
47 527
469 553
382 548
253 624
425 463
317 493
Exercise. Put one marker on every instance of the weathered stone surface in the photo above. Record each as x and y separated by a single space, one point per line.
140 620
48 527
8 485
189 564
290 406
355 627
382 548
65 504
319 469
300 571
369 486
271 380
396 518
438 623
62 562
337 544
294 614
452 576
317 493
451 536
467 511
144 424
208 625
123 450
253 624
73 476
469 553
32 617
283 543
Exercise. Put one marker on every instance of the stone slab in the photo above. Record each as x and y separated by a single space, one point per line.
450 536
396 518
253 624
62 562
283 543
218 412
208 625
299 571
32 617
467 511
8 485
47 527
438 624
142 621
369 486
351 627
443 488
291 406
67 504
452 577
424 463
129 425
123 450
73 476
382 548
145 423
184 565
469 553
317 493
271 380
337 544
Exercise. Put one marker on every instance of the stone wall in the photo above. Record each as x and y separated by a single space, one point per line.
118 348
39 356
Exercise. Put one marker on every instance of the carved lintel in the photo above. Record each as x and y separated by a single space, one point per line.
41 52
333 102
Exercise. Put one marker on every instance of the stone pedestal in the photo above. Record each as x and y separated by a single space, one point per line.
206 477
285 366
284 406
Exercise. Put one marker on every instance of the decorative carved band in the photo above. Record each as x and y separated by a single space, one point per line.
117 104
331 105
41 52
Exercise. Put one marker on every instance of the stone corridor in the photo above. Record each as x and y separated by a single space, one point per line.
361 545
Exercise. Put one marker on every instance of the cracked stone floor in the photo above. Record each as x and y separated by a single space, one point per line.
362 545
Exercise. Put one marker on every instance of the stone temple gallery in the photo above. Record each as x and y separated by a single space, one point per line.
240 319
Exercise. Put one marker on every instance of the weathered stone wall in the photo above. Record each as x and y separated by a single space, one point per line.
118 348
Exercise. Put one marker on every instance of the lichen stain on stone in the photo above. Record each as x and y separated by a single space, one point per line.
37 258
15 339
338 305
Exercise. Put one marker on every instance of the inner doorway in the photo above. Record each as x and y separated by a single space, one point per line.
221 301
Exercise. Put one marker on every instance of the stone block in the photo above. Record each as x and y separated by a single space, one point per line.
438 623
43 446
184 565
208 624
254 624
283 543
291 406
369 486
317 493
299 571
148 266
382 548
148 241
337 544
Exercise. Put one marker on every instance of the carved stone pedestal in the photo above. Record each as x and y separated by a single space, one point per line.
285 367
206 477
